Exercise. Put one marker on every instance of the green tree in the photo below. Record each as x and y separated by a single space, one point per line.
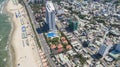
55 40
81 58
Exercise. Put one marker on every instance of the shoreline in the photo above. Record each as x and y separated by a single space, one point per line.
23 52
11 51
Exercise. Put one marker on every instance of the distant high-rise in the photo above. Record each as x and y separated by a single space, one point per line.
104 49
50 16
73 23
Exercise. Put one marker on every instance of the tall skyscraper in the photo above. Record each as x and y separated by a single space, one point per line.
50 16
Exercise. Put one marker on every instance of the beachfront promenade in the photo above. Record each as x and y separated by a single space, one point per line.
41 38
27 52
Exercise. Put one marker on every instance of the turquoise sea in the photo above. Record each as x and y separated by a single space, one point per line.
5 28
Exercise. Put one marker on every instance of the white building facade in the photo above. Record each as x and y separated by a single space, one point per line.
50 16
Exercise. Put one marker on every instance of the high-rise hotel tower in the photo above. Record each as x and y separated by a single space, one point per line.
50 16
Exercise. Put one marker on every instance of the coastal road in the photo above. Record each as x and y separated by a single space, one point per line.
42 40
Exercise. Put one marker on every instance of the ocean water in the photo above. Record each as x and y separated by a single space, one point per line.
4 35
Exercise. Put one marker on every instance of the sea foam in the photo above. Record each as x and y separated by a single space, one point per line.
2 7
4 59
0 38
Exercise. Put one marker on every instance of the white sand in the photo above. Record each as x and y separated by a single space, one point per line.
25 55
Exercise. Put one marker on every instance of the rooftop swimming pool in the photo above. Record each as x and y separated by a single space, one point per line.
51 34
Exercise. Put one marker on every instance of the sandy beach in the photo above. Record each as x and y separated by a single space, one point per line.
27 54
